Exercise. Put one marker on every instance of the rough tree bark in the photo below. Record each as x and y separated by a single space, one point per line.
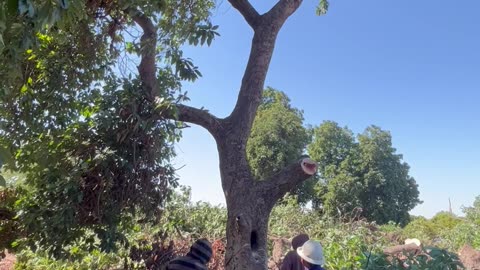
249 201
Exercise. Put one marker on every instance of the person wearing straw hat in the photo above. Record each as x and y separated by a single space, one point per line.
311 255
196 259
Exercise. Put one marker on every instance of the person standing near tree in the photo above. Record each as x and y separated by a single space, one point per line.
311 255
292 260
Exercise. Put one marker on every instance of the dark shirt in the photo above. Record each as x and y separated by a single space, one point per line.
186 263
292 262
316 267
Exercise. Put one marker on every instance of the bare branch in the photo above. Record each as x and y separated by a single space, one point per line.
147 68
200 117
247 10
284 181
282 10
253 80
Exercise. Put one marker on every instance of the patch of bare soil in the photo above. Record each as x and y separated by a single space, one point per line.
7 262
470 257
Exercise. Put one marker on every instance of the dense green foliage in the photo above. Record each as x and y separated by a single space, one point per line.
278 138
182 219
93 146
93 143
447 230
364 175
351 245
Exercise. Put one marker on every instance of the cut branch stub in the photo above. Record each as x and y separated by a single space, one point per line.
286 180
309 166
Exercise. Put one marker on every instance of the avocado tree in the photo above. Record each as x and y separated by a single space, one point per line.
89 133
364 174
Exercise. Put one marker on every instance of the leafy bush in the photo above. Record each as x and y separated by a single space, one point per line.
354 245
184 218
431 258
465 233
343 242
29 260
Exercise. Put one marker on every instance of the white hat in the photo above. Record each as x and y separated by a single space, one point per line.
311 252
413 241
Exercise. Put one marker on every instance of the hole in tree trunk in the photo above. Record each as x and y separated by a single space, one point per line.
254 241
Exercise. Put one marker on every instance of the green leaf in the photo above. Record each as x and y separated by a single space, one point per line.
2 44
5 156
209 40
24 89
322 7
3 183
12 6
129 47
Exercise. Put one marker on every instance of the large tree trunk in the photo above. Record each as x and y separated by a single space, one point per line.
249 202
247 229
248 212
249 206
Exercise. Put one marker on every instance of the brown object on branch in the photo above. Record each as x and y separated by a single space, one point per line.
402 248
469 257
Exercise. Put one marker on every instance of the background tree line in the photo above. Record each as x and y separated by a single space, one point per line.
362 173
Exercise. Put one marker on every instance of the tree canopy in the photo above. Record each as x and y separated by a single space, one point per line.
278 136
365 175
93 138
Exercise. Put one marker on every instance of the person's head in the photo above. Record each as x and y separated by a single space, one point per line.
311 254
201 250
299 240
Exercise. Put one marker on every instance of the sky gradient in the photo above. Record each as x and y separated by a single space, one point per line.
410 67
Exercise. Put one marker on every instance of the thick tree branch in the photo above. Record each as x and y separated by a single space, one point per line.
147 68
284 181
247 10
200 117
253 80
148 74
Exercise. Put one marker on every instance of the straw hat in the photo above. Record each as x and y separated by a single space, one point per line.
311 252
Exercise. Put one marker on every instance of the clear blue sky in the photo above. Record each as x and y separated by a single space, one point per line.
410 67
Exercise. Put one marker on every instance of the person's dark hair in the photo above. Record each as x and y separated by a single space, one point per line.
299 240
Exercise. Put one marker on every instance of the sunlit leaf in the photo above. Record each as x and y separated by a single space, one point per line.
322 7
